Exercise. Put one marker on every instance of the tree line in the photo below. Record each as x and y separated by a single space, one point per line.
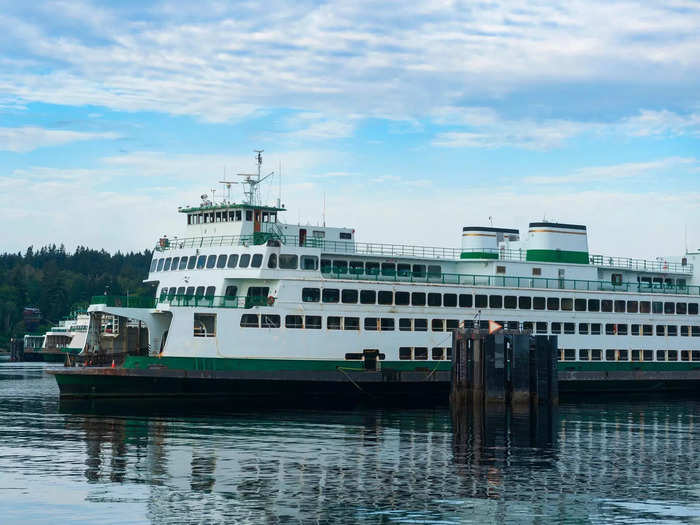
58 282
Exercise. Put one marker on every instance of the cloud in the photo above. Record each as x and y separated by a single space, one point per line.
28 138
616 171
222 63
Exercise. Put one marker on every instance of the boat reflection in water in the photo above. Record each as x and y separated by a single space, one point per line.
578 462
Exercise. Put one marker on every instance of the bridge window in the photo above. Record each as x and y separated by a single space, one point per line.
160 264
368 297
167 264
201 262
244 261
173 265
211 261
272 261
204 325
183 263
309 262
288 261
232 260
221 261
345 235
256 261
154 264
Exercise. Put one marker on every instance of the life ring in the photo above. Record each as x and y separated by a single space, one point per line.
270 301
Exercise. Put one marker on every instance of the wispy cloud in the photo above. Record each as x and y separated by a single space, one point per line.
616 171
28 138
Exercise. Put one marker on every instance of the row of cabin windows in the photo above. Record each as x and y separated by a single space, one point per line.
228 216
234 260
388 269
510 302
420 353
210 291
388 324
596 354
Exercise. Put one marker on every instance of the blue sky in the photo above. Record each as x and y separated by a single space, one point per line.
412 120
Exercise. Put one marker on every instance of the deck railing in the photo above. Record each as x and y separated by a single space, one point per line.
405 250
517 282
214 301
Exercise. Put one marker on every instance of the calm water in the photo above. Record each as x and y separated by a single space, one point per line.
627 462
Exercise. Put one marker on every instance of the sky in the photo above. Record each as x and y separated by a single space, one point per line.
409 121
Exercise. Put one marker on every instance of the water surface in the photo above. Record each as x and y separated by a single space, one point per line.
621 461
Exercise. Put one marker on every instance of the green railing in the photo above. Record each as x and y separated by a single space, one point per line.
404 250
119 301
515 282
217 301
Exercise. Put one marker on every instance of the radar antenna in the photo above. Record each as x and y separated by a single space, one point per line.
252 180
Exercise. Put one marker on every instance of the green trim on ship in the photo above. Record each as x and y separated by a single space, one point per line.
557 256
229 364
478 255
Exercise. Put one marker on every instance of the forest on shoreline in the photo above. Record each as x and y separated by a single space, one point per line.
58 282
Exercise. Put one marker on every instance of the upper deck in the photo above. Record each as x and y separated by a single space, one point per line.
411 251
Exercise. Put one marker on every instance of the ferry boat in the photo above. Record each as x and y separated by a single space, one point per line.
68 337
248 304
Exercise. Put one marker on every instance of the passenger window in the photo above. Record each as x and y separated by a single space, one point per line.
594 305
418 298
387 324
245 261
403 270
620 306
556 328
449 299
385 297
210 292
480 301
309 262
340 267
419 270
524 303
420 353
681 308
538 303
357 267
333 323
199 292
371 323
567 304
350 296
632 307
189 292
389 269
211 261
580 305
437 325
221 261
552 303
326 266
256 261
434 271
434 299
372 268
405 353
167 264
495 301
231 291
404 325
176 261
288 261
331 295
693 308
310 295
510 302
250 321
420 325
583 328
293 321
465 300
657 307
313 322
402 298
368 297
669 308
352 323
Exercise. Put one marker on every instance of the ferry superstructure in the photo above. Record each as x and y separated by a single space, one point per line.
238 289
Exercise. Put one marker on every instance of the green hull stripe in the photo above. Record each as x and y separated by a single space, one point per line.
562 256
478 255
234 364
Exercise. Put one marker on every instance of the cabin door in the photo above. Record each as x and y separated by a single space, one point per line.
256 221
302 236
